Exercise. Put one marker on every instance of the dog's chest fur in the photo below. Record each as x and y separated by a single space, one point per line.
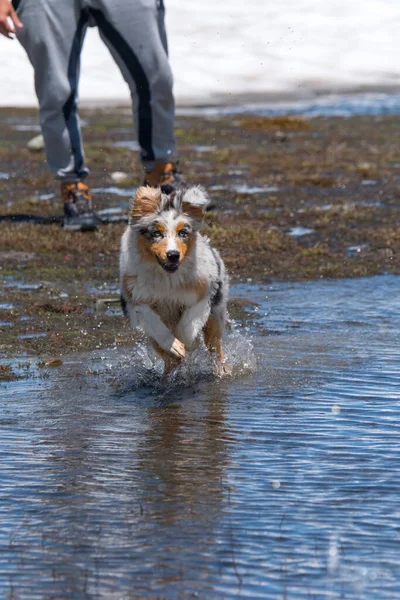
169 296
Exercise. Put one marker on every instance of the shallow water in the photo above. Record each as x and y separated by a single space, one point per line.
300 231
116 191
330 105
280 482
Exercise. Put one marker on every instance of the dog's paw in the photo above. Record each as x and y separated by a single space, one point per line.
178 349
221 369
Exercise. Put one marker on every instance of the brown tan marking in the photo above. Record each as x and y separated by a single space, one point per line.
160 226
149 250
179 226
212 337
198 287
160 249
184 246
196 212
145 202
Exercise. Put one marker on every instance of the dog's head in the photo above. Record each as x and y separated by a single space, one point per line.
167 224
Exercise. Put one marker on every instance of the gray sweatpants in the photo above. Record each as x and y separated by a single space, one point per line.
134 32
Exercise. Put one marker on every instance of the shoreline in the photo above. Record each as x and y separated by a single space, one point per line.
257 100
294 199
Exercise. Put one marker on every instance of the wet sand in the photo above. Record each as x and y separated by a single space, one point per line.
293 199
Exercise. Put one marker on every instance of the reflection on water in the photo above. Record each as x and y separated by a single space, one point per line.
277 483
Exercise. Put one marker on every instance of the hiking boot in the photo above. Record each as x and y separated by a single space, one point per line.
165 175
78 210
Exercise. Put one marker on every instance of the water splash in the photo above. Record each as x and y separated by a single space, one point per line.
140 367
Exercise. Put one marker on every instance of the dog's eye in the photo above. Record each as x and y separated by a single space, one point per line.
156 235
183 234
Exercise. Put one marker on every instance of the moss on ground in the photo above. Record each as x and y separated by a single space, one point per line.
337 177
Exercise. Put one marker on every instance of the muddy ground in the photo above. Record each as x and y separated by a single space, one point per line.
292 199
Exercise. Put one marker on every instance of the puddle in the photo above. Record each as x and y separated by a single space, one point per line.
200 148
237 172
333 105
248 189
45 196
24 286
105 288
27 128
131 144
115 219
4 176
279 482
369 182
31 336
356 250
300 231
116 191
6 324
17 256
113 311
245 189
5 306
218 188
204 164
342 206
113 214
113 210
18 120
366 203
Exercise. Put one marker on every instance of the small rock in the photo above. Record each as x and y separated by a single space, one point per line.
280 136
356 250
36 143
367 170
119 176
53 362
101 304
299 231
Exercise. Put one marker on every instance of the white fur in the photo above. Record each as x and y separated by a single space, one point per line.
159 296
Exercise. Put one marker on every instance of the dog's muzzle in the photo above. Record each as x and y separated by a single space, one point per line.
172 263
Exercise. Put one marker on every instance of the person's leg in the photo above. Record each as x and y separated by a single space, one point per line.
135 35
52 36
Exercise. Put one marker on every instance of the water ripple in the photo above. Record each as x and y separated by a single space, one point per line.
281 482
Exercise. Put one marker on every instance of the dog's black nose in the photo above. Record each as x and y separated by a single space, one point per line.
173 256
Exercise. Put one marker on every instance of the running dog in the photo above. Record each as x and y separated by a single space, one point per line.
173 282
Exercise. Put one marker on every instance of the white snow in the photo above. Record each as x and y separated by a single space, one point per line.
225 51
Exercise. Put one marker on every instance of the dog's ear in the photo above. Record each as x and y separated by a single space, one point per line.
195 202
146 201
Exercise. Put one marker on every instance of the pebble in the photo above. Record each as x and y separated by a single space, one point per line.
53 362
36 143
119 176
101 304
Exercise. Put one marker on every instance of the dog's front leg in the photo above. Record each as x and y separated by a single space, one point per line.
154 327
192 322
